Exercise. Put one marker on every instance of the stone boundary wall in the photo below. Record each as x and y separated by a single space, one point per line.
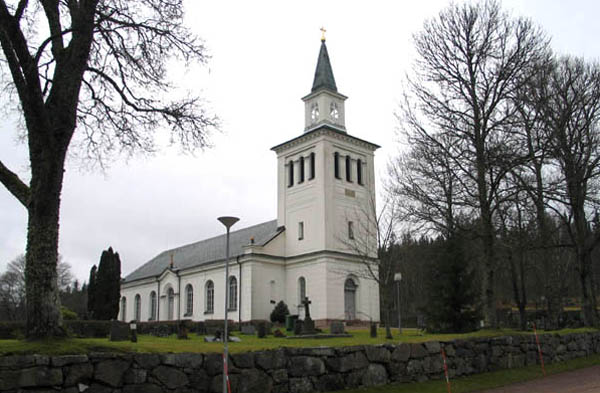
293 370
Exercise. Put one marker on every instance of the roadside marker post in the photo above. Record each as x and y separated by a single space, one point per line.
446 371
226 371
537 341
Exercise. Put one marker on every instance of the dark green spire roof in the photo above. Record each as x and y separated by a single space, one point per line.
324 75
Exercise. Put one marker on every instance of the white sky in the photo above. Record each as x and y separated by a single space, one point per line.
264 55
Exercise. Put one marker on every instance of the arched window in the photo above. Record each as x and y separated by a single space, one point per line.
170 304
336 164
359 178
137 307
152 312
189 300
301 289
291 174
210 297
350 299
312 166
301 169
123 308
348 169
232 293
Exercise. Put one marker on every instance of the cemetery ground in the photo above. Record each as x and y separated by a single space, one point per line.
497 379
195 343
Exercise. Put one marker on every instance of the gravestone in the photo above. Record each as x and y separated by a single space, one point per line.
373 329
298 327
337 327
248 329
183 330
133 331
119 331
308 326
262 330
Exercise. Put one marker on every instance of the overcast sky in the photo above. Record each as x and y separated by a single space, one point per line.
264 55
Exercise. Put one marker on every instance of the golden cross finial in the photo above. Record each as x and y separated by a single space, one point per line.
323 33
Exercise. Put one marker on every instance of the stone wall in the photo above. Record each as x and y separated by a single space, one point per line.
293 370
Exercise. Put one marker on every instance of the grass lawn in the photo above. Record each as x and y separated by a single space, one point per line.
484 381
195 343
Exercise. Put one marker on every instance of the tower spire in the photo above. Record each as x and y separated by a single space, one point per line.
324 74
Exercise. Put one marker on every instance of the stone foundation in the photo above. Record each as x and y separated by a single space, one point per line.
293 370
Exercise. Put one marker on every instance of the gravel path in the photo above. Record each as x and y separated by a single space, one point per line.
586 380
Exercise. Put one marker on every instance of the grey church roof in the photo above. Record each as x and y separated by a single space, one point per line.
206 251
324 74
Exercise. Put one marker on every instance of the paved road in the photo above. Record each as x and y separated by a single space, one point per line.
586 380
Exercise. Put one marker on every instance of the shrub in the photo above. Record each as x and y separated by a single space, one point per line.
11 329
279 312
67 314
88 329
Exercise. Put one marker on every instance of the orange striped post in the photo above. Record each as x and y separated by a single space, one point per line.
226 371
446 371
537 341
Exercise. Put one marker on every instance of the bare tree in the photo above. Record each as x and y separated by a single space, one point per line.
571 115
380 226
536 178
100 69
424 183
12 286
12 290
470 60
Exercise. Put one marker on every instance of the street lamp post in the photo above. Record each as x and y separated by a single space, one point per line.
228 222
398 278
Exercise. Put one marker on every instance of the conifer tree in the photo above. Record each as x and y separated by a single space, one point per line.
453 304
107 286
92 291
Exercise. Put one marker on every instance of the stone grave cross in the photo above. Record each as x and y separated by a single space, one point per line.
306 302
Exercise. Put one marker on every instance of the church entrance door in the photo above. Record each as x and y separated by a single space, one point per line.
170 303
350 299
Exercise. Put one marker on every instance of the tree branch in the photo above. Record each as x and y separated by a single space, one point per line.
20 9
14 185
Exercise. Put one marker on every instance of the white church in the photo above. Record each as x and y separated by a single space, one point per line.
320 246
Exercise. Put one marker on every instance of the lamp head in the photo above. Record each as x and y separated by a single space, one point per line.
228 221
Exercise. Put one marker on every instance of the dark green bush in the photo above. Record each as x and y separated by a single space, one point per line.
11 330
88 329
279 312
67 314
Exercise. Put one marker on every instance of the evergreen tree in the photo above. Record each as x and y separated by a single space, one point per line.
92 291
106 292
453 298
279 312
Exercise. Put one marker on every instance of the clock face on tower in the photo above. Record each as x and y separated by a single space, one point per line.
333 111
314 112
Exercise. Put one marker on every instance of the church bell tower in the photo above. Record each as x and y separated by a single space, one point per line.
324 105
326 182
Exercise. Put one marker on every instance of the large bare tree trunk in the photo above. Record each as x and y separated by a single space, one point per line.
44 318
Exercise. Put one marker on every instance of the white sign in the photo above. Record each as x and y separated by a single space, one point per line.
398 277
